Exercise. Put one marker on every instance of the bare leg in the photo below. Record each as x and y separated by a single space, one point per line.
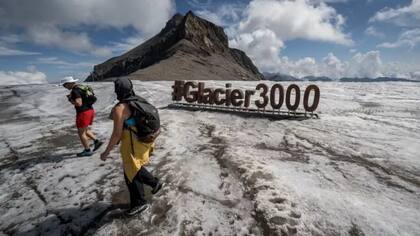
83 137
90 134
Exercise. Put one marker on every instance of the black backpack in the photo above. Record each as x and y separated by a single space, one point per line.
90 97
147 119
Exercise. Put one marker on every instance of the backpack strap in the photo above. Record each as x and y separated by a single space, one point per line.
131 139
148 139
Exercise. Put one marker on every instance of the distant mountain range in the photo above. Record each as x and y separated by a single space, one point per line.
284 77
379 79
280 77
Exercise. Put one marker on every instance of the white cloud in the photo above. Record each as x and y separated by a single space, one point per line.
295 20
327 1
58 23
5 51
401 70
223 15
127 44
403 16
200 4
299 68
267 24
211 16
31 76
360 65
332 67
262 45
365 65
62 63
415 75
372 31
10 38
52 36
146 16
409 38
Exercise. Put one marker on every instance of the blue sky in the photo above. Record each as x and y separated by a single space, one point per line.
52 39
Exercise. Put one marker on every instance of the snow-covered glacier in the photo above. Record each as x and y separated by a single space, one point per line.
354 171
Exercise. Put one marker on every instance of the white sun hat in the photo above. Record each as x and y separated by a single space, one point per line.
68 79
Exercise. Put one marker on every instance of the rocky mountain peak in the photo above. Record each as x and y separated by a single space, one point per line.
173 23
203 33
186 41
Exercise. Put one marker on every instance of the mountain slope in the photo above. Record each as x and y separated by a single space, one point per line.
187 48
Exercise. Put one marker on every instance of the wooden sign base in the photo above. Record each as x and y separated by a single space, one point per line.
247 112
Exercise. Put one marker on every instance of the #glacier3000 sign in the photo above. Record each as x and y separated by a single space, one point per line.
276 96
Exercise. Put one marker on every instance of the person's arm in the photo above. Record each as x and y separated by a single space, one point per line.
77 102
76 98
118 117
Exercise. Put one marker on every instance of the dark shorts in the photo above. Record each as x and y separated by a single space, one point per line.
85 118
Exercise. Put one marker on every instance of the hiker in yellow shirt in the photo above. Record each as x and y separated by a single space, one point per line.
136 145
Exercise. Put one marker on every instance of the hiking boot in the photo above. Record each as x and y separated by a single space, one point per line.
85 153
136 210
157 188
97 144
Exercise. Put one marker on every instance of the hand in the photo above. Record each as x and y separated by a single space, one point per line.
104 155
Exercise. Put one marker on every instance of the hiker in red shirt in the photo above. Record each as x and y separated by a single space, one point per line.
82 97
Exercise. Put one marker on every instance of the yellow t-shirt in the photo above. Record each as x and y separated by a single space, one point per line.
134 153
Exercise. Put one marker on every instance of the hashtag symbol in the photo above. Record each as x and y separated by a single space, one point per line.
178 90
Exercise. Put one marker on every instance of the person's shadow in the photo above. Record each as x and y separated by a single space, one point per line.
83 220
75 221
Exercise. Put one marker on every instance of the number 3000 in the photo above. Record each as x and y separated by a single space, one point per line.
276 97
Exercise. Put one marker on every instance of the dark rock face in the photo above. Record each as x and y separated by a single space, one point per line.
188 47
